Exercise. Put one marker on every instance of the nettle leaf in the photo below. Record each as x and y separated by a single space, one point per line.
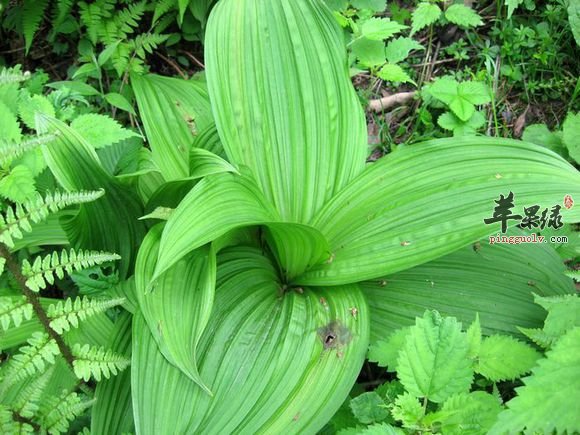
18 185
369 408
398 49
424 15
469 413
369 53
377 29
554 377
373 5
503 358
571 134
433 362
29 107
11 131
463 16
274 363
408 410
563 315
460 97
394 73
300 157
100 130
386 353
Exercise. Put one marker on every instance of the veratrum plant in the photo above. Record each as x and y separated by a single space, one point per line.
275 250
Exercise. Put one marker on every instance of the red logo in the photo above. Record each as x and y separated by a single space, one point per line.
568 202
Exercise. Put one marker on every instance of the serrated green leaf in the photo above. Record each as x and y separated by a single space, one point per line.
469 413
463 16
369 408
555 377
18 185
503 358
282 385
369 53
302 157
407 410
563 315
424 15
449 121
378 29
30 107
11 131
571 135
398 49
100 130
433 362
386 353
394 73
460 97
474 337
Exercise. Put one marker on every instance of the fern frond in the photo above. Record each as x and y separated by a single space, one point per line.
162 7
31 359
93 15
67 314
11 151
56 413
128 19
43 270
14 310
61 9
97 362
13 75
147 42
32 13
27 401
9 426
18 219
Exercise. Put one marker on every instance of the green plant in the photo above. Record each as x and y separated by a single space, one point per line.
260 269
461 98
565 142
461 392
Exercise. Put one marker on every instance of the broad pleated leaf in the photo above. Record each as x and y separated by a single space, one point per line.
203 163
110 223
297 247
283 102
179 305
173 111
112 411
428 200
216 205
496 281
275 363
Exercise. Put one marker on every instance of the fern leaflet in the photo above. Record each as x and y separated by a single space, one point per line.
32 13
43 270
19 218
66 314
14 310
11 151
56 413
97 362
32 359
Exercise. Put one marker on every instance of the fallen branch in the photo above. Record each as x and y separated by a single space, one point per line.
390 100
